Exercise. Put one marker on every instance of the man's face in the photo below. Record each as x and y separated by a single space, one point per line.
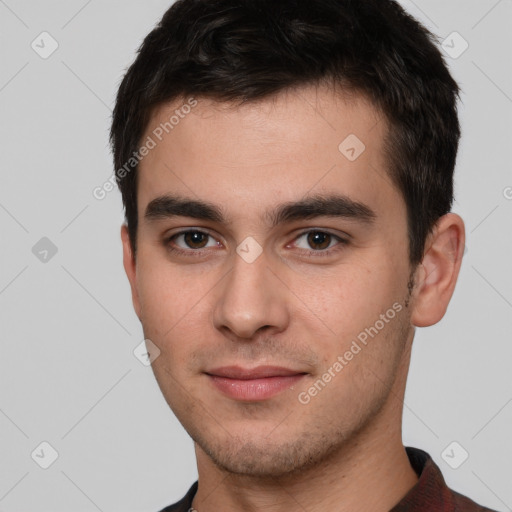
298 293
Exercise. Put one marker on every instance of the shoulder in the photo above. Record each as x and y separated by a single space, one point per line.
462 503
431 491
185 504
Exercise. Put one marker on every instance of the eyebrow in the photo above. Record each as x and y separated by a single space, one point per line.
330 205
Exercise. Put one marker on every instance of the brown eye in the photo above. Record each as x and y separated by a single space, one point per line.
190 242
195 239
315 242
319 240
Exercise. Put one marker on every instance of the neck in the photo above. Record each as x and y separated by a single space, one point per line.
360 483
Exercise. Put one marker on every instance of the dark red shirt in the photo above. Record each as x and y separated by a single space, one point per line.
429 494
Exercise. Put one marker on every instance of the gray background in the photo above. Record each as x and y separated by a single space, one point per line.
68 375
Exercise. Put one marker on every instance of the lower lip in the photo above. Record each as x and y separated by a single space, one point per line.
254 389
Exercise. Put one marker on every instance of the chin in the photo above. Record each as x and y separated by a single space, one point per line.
270 458
251 459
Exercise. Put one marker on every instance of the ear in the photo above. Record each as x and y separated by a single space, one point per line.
437 274
130 268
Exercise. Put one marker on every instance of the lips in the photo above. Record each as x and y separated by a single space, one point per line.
253 384
260 372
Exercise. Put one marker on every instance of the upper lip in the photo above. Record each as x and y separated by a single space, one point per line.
259 372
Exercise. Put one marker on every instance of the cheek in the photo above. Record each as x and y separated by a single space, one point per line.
164 296
352 296
175 306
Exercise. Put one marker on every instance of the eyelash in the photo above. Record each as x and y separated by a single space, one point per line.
199 253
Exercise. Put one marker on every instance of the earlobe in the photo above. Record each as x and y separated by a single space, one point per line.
130 268
437 274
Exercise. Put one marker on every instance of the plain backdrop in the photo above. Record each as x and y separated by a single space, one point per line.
68 375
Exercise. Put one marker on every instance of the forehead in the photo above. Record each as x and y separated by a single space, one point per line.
248 157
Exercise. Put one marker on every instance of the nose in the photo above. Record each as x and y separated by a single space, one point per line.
251 298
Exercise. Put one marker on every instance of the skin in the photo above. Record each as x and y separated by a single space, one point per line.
343 450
